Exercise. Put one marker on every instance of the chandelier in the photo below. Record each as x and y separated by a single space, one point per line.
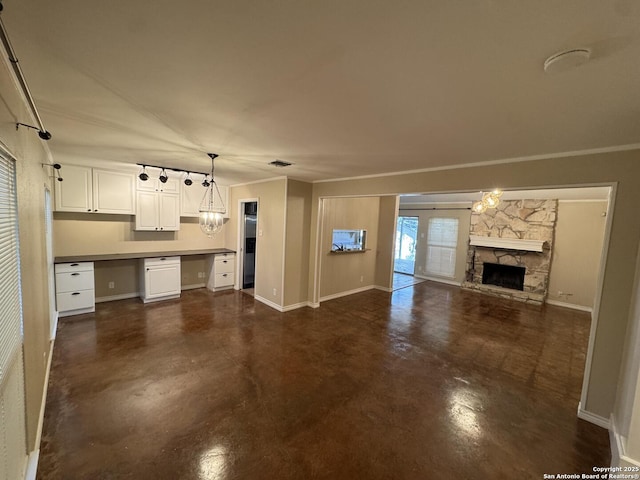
489 200
212 206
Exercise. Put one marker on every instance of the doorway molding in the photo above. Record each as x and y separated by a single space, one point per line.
240 243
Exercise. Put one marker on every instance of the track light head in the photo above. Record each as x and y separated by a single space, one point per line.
187 181
163 176
143 174
44 135
205 182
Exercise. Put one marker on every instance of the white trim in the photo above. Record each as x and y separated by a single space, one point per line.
598 296
34 455
572 306
240 243
438 279
618 452
313 304
54 327
544 156
281 177
284 240
593 418
193 287
294 306
384 289
506 243
122 296
315 297
268 303
584 200
348 292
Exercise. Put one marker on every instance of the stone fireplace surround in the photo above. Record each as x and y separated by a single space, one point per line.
517 233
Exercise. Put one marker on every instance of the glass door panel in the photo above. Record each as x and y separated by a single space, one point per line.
405 248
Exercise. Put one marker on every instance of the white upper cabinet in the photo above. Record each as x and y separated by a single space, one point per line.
95 190
158 205
192 197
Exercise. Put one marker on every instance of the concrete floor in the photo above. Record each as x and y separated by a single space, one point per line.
427 382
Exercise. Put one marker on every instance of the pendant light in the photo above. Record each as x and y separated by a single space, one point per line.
212 207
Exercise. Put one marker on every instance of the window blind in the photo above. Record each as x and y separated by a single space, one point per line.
10 297
442 241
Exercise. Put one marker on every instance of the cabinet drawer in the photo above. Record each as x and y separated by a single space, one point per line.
223 280
228 256
75 300
161 261
224 265
74 267
74 281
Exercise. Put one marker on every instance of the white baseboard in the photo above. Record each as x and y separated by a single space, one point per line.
122 296
593 418
193 287
32 462
268 303
573 306
294 306
439 280
618 454
384 289
348 292
313 304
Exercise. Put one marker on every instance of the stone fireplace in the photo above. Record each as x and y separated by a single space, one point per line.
510 249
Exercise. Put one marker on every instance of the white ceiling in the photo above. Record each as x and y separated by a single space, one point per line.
339 88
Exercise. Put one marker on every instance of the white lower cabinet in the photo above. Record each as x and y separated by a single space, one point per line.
222 274
159 278
75 292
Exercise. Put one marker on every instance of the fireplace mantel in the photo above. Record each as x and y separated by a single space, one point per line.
507 243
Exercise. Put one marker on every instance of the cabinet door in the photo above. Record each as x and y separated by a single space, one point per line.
113 192
162 281
74 194
169 212
172 186
191 199
147 211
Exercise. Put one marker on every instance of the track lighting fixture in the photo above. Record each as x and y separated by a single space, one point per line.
205 181
187 181
43 134
56 167
163 176
143 174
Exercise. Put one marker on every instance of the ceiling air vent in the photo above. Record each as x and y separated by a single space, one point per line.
280 163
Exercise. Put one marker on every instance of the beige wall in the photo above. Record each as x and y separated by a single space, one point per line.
271 197
386 237
621 167
577 249
463 215
296 273
348 271
87 234
29 151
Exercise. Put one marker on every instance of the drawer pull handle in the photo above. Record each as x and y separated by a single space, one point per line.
224 261
74 274
224 274
163 258
75 293
74 265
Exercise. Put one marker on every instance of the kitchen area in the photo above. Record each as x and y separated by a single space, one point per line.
125 233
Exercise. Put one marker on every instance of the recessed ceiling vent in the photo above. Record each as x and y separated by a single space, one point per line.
280 163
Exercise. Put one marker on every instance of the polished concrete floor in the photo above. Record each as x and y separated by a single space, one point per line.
401 280
427 382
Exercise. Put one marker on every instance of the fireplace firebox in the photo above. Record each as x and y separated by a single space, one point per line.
506 276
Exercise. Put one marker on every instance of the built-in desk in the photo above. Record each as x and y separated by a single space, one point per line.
76 295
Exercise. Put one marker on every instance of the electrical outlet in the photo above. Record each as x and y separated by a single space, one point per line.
275 292
419 268
112 285
200 274
361 278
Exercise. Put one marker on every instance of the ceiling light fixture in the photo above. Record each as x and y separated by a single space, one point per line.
205 181
212 207
187 181
163 176
489 200
566 60
144 176
56 167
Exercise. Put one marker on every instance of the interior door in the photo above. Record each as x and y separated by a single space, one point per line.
405 248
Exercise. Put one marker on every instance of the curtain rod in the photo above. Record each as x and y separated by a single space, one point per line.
42 131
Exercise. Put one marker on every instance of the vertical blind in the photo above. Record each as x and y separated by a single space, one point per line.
442 241
10 297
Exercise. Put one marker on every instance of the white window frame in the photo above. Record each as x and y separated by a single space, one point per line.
442 247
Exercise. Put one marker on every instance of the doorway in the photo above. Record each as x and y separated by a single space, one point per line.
248 237
404 260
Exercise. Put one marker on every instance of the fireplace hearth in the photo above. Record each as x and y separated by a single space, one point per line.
505 276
